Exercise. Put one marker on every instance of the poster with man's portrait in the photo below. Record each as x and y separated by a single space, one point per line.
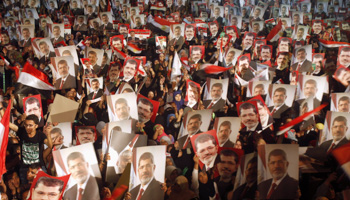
246 174
256 88
216 90
195 122
343 54
280 94
305 7
28 21
44 49
80 23
311 86
61 134
336 129
32 105
148 169
276 162
46 185
147 108
120 152
205 146
227 131
33 3
161 44
257 26
301 33
66 162
85 134
68 51
284 10
342 75
340 102
63 72
132 12
232 56
57 31
122 107
95 56
32 13
176 31
193 94
249 114
26 33
130 68
137 21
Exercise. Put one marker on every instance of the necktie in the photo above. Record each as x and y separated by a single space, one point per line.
331 148
299 66
210 105
94 95
80 195
273 188
186 142
273 111
62 84
140 194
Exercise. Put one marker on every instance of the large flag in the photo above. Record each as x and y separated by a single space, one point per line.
34 78
4 136
332 44
134 48
160 23
274 33
343 157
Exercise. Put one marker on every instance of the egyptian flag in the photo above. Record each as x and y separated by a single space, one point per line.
343 157
133 48
31 80
213 69
159 23
4 132
332 44
274 33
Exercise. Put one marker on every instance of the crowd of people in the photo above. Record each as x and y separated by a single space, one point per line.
175 99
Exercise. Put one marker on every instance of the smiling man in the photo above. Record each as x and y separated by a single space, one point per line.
206 150
224 133
86 187
129 70
281 185
249 117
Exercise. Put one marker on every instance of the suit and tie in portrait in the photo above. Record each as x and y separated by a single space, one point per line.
68 83
95 95
91 191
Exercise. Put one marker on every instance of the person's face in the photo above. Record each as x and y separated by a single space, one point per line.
177 32
74 4
224 133
123 111
123 30
30 14
339 129
93 58
25 34
113 73
44 48
300 33
296 19
279 98
30 126
317 27
193 125
85 136
249 118
89 9
258 91
234 22
227 166
138 21
229 58
284 46
189 32
301 55
105 19
123 161
206 151
178 97
33 109
344 77
226 11
146 171
213 28
265 54
262 112
244 12
217 12
304 8
43 192
79 170
284 10
251 172
281 60
256 28
63 70
256 13
216 93
192 94
32 3
344 58
57 138
248 41
343 106
310 90
31 174
95 85
129 70
277 166
15 180
320 8
57 32
196 55
243 66
144 112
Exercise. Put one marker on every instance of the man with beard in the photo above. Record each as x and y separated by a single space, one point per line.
196 55
129 70
217 16
310 90
80 25
249 117
106 25
85 134
282 68
300 35
339 129
33 107
138 23
281 185
230 56
284 45
178 39
149 188
86 187
57 35
96 91
145 112
243 68
227 167
46 186
214 31
265 53
317 27
123 30
223 135
206 150
122 109
113 75
279 97
189 35
344 104
248 189
265 118
66 80
193 93
302 64
259 89
343 76
92 55
45 50
344 57
193 127
216 103
247 43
